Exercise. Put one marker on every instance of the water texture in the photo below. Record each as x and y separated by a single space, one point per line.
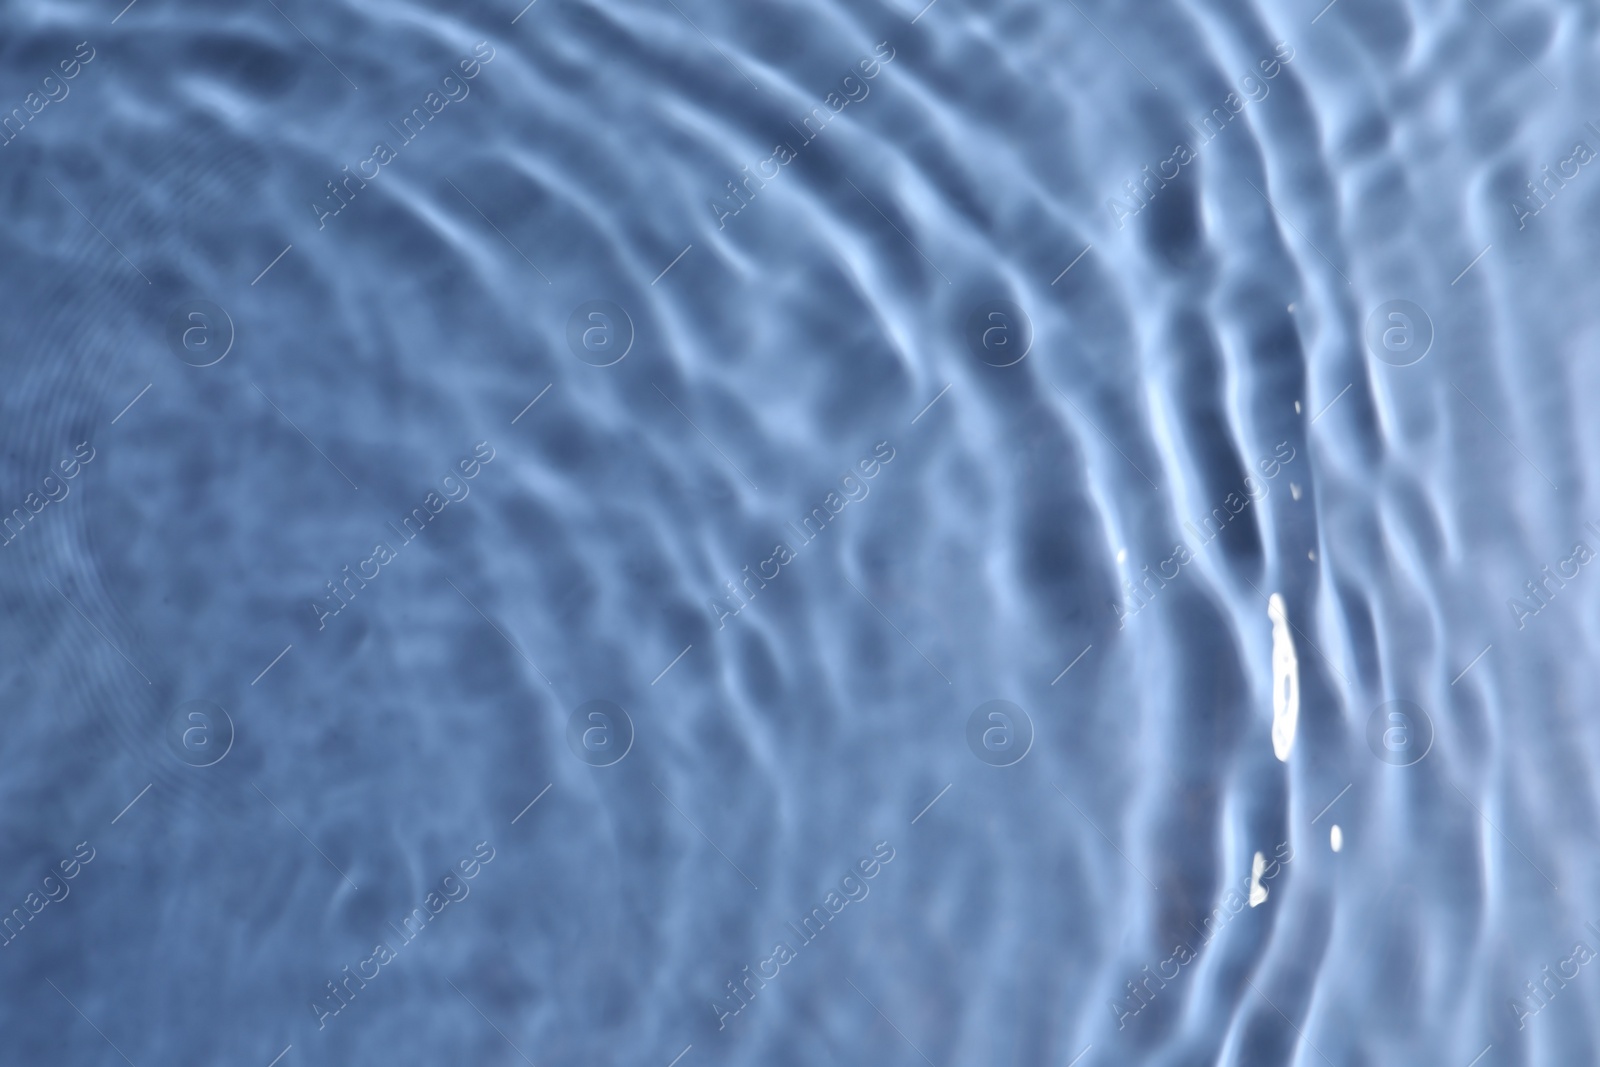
675 533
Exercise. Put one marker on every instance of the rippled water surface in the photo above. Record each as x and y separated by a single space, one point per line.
799 533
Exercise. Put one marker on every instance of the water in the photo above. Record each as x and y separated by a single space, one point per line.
597 534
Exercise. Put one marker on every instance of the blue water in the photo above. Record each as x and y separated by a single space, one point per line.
597 533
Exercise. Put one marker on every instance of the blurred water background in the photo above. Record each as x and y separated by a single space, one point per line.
599 533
